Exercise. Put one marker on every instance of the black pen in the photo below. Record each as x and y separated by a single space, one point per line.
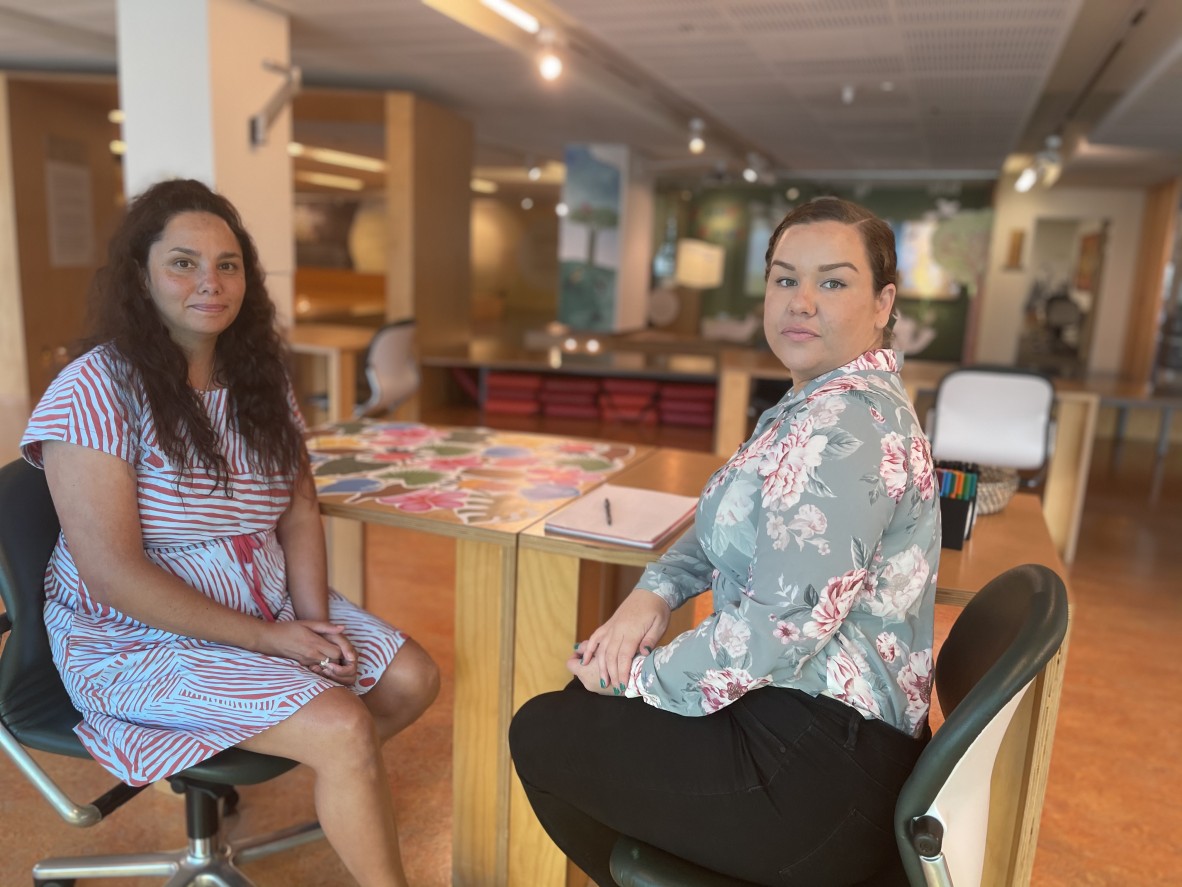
607 510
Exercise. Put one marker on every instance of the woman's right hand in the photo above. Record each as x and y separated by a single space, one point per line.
634 628
309 642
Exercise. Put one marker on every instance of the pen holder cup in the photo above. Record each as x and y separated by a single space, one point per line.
956 521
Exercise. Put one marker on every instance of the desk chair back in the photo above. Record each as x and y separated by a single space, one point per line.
996 648
998 416
391 369
34 706
36 712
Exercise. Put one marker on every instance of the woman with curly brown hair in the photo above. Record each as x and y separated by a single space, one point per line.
187 601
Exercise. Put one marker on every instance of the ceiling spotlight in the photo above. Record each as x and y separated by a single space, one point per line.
549 61
483 186
561 210
752 171
696 143
527 203
792 193
116 115
847 94
534 172
1044 169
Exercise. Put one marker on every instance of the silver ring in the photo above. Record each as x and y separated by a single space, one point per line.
324 662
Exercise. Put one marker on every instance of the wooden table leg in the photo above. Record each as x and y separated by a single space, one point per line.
345 540
485 575
547 628
1067 472
730 417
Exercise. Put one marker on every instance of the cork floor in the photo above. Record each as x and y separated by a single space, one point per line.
1112 800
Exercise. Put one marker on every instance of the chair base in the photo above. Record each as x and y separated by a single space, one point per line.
205 862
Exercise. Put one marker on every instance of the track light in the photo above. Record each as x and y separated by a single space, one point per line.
1044 169
752 171
696 143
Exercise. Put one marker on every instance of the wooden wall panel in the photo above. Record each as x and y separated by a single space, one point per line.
1162 206
56 119
429 152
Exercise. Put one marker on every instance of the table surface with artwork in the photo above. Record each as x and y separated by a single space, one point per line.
482 488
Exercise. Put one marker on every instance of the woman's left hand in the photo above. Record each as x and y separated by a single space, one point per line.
589 674
344 669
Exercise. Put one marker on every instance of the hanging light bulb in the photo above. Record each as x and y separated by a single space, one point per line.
697 144
751 170
549 61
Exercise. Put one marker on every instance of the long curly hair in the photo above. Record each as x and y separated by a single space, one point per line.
249 355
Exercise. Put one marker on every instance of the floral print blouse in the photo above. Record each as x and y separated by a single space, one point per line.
820 539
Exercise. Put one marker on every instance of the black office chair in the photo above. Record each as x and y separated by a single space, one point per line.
998 645
36 713
994 416
391 369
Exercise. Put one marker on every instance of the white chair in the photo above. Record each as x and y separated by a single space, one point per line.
391 369
998 416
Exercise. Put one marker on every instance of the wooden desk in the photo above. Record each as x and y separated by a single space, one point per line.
480 487
552 615
339 346
1066 482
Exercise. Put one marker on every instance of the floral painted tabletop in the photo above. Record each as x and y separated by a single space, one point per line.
406 473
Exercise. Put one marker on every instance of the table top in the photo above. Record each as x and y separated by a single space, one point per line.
492 355
474 483
1015 535
669 470
325 337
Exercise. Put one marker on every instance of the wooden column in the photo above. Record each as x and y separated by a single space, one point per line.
1157 243
429 153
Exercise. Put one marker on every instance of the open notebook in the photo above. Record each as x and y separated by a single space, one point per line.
624 515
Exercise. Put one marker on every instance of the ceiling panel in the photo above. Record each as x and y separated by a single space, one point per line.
966 75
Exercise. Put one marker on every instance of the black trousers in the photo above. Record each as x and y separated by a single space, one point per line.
778 788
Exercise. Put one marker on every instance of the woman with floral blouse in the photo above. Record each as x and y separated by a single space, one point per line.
769 743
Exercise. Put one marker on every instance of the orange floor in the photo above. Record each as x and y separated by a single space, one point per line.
1112 803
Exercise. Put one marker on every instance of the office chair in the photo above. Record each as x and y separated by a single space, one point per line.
391 369
994 416
998 645
36 713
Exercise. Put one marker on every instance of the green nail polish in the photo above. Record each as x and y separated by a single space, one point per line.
602 683
616 690
623 687
648 649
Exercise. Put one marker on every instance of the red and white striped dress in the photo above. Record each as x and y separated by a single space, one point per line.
153 702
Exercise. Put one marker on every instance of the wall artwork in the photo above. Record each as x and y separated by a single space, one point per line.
1087 271
588 237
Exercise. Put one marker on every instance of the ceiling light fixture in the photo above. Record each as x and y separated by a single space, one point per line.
549 61
1044 169
336 158
847 94
514 14
534 172
328 180
752 172
483 186
697 144
116 115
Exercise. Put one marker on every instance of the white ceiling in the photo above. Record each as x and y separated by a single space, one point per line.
973 80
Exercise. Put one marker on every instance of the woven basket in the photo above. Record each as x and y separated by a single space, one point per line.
995 488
